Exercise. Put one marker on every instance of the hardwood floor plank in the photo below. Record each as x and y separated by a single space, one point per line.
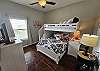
37 61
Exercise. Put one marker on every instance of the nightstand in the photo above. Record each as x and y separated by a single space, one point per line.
85 63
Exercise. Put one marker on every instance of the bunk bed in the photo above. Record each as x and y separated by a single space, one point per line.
52 42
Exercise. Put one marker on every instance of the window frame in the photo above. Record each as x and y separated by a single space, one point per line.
18 29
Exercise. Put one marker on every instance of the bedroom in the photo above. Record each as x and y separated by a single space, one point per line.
88 12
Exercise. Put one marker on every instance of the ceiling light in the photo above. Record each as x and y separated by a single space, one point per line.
42 2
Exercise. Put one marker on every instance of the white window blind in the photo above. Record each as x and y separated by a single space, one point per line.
20 28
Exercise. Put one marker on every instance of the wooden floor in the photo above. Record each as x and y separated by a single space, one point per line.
37 61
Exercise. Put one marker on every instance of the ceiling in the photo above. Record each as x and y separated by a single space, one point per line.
59 4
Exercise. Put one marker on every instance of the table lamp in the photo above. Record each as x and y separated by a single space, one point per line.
89 41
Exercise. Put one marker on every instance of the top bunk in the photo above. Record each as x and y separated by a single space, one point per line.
69 27
66 26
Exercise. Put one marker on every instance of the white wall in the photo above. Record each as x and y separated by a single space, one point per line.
85 10
16 10
99 9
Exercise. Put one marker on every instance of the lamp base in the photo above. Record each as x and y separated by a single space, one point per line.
86 51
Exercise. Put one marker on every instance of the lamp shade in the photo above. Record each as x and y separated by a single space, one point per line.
89 40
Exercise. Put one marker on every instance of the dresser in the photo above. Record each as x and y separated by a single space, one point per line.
12 57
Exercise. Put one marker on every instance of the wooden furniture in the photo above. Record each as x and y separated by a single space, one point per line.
85 63
12 57
86 57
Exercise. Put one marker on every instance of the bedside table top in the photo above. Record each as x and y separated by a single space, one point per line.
86 57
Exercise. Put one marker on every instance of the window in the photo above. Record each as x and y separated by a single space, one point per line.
20 28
